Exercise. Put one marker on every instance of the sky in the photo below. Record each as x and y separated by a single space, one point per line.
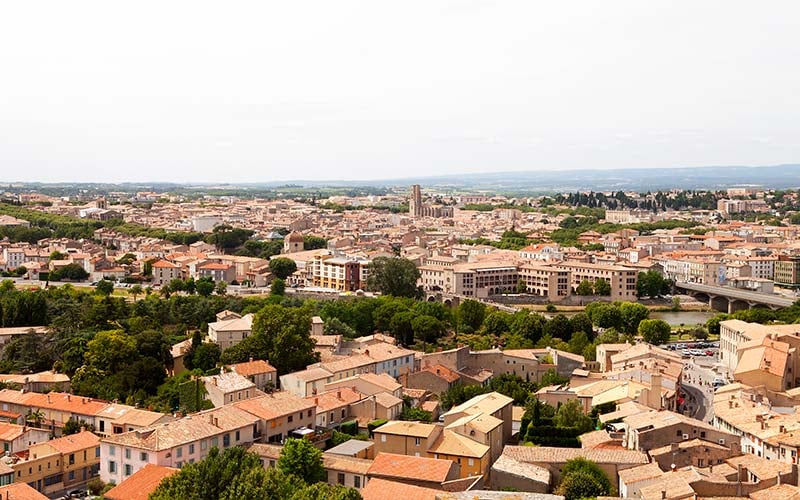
273 90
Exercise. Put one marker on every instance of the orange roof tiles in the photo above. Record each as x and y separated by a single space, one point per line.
411 467
20 491
381 489
254 367
75 442
141 483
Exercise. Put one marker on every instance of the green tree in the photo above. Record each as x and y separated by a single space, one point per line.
206 356
580 485
278 287
470 314
427 328
582 478
282 267
496 323
655 331
302 459
56 255
631 315
71 272
221 288
281 335
652 284
570 414
522 287
712 325
528 325
558 327
401 327
584 288
136 290
602 287
204 286
581 322
105 287
393 276
311 242
605 315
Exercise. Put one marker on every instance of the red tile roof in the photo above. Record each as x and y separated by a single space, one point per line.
381 489
411 467
140 484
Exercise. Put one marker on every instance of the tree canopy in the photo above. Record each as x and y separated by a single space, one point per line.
393 276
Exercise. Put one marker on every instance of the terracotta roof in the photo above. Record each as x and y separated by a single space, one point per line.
141 483
20 491
381 489
166 264
255 367
75 442
451 443
411 467
442 372
275 405
401 428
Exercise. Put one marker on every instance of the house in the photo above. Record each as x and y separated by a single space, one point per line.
45 381
141 484
333 407
417 471
492 403
261 373
165 271
230 329
20 491
436 379
278 414
341 470
16 438
306 382
227 388
370 384
474 457
217 272
405 438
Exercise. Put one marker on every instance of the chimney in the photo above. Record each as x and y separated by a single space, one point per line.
782 429
214 380
316 401
339 394
69 398
763 425
663 494
251 359
366 351
48 398
673 467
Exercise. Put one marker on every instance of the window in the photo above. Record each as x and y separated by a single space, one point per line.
127 453
112 450
102 426
112 467
237 436
291 418
215 441
191 449
309 413
143 456
203 445
357 481
226 440
128 469
417 441
471 462
72 459
71 475
340 478
179 452
383 438
97 452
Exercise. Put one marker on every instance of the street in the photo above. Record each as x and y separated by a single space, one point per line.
697 388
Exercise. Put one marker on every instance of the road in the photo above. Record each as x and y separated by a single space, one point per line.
699 394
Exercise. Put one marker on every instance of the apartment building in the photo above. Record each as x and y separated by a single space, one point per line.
484 279
654 429
344 274
542 252
173 444
622 279
546 281
787 271
333 407
16 438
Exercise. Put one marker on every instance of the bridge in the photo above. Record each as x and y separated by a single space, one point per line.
728 299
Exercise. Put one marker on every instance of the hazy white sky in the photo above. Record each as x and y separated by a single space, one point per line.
262 91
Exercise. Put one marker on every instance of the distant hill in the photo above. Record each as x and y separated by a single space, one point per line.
636 179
